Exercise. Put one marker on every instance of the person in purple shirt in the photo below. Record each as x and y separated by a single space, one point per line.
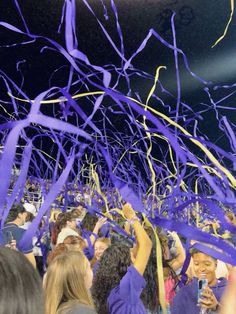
118 283
186 300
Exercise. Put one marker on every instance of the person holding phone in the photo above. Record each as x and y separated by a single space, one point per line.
204 293
11 242
16 218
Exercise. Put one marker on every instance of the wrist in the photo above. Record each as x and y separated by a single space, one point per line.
96 229
95 235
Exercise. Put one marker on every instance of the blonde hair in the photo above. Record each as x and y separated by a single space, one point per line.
65 282
106 241
54 214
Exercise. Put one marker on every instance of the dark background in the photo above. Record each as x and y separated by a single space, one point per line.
198 25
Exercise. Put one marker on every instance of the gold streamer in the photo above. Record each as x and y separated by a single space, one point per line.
227 25
149 135
98 188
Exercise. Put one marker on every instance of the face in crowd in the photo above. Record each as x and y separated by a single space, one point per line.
99 248
205 267
22 218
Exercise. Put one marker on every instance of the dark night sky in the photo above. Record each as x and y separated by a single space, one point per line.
198 25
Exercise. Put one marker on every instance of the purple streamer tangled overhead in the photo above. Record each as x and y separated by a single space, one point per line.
113 144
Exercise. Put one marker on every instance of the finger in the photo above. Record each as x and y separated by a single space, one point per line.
207 290
206 302
206 294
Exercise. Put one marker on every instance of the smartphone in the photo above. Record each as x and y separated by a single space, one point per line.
10 237
202 284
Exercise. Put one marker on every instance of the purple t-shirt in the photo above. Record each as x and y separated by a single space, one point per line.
185 301
125 298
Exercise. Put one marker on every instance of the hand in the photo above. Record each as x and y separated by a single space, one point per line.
208 299
128 211
12 245
127 228
101 221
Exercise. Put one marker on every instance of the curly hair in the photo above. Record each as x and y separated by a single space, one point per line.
112 267
150 294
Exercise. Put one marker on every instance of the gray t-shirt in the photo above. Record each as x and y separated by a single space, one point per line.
78 309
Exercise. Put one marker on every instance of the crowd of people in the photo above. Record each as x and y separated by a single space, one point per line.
79 262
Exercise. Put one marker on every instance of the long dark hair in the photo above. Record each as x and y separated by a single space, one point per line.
150 294
113 266
21 285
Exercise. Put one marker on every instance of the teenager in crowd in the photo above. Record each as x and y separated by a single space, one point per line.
100 245
67 284
118 283
12 230
186 301
150 294
90 227
67 227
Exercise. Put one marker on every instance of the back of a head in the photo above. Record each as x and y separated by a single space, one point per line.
58 250
54 214
79 211
66 278
62 221
14 211
75 240
21 285
59 224
88 222
112 267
